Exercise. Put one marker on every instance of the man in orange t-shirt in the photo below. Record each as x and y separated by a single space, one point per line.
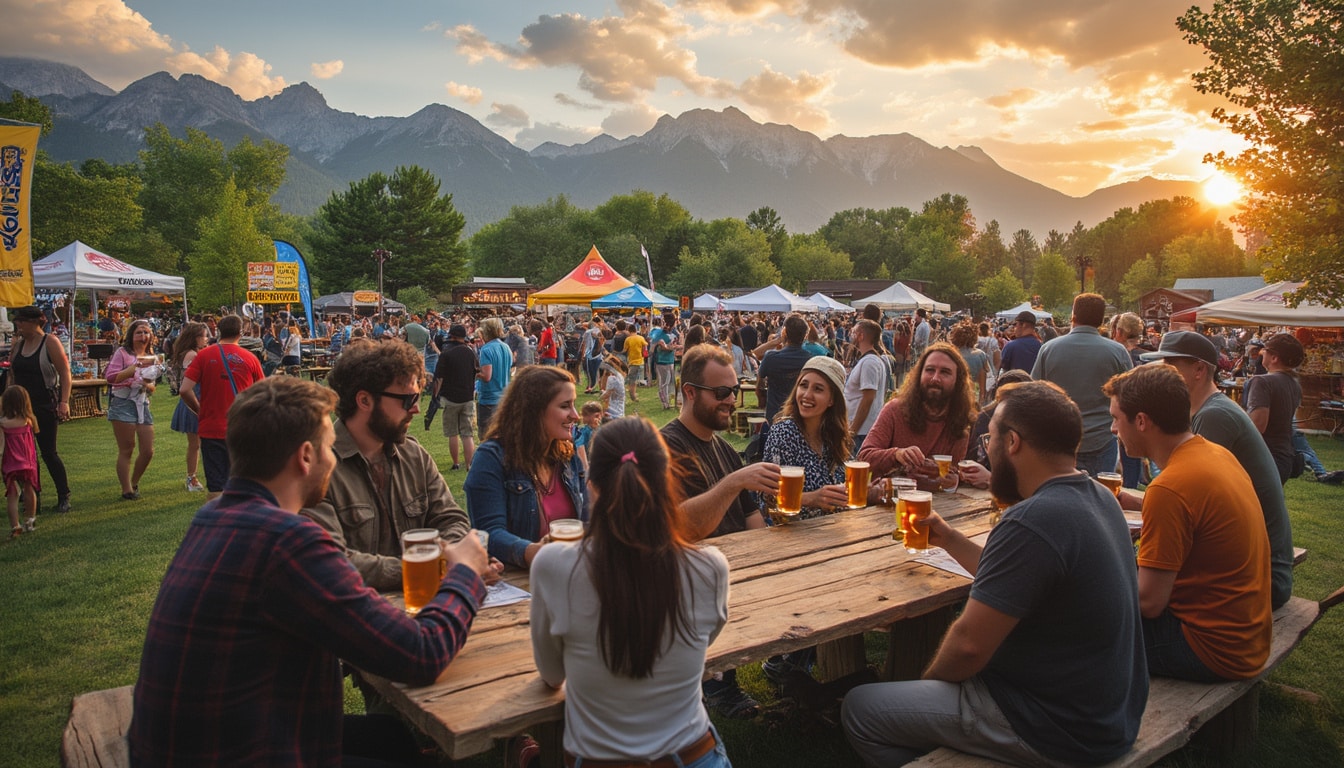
1204 578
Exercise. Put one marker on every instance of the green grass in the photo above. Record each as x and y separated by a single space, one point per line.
77 596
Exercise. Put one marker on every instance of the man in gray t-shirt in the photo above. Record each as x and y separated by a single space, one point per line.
1272 399
1046 664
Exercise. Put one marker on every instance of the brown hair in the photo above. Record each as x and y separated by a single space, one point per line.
16 404
372 368
128 341
1089 309
961 408
1287 348
270 420
186 342
964 335
834 422
514 425
1157 390
696 358
229 326
636 549
1042 414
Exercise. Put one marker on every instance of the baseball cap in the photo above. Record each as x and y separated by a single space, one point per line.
1184 344
1256 343
457 332
27 313
1025 316
828 367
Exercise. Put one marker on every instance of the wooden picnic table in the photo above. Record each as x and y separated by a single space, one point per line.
316 373
819 581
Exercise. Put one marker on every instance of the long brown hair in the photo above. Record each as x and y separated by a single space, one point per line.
514 424
961 408
186 342
128 341
636 550
834 422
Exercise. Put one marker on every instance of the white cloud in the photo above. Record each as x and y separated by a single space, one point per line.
787 99
630 121
325 70
247 74
467 93
508 116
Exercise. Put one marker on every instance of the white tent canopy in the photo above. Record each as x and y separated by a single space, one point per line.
771 298
1265 306
1012 312
828 304
79 267
705 302
902 297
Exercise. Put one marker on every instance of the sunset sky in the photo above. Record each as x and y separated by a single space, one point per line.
1075 95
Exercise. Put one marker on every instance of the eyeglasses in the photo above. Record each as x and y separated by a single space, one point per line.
720 393
408 399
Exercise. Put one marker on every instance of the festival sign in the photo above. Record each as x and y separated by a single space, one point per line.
365 297
272 282
18 148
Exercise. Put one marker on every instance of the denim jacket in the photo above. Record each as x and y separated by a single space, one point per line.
503 501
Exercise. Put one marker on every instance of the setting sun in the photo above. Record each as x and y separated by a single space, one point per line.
1221 189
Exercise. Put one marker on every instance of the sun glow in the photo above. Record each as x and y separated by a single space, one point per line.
1221 189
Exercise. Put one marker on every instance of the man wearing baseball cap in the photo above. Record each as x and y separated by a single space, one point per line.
1218 419
455 388
1020 353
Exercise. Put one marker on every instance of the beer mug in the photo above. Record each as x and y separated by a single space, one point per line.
899 485
916 505
1112 480
947 479
566 529
790 492
856 483
422 567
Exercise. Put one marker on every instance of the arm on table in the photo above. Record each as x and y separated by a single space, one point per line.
705 511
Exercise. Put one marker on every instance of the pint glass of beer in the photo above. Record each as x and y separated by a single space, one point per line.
856 483
790 491
566 529
900 485
422 567
1111 480
917 506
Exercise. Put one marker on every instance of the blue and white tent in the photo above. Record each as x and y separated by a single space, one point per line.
633 297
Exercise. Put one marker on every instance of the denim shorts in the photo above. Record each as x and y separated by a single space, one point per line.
127 410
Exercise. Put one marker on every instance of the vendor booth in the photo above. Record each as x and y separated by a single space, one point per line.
592 279
902 297
634 297
705 302
771 298
354 303
828 304
1013 312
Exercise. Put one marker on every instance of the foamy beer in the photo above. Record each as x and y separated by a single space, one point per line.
898 486
916 506
856 483
1112 480
944 465
422 567
790 491
566 529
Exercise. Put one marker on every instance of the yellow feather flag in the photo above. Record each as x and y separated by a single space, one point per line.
18 151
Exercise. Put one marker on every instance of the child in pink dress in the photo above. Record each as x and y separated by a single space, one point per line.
19 465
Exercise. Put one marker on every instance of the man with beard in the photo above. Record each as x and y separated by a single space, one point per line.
385 482
715 484
241 662
1037 670
931 415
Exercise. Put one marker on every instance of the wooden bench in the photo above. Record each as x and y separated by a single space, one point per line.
742 417
1225 715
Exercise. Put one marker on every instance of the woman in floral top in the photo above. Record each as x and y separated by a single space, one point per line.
812 432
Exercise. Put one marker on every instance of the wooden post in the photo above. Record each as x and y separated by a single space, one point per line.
838 658
1231 733
913 642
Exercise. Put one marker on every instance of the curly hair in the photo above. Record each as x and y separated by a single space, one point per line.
514 425
372 368
963 335
961 408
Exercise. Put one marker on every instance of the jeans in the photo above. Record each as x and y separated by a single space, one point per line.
1169 655
1100 460
714 758
1301 445
591 365
46 445
891 724
667 383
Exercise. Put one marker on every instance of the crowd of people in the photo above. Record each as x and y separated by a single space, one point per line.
310 488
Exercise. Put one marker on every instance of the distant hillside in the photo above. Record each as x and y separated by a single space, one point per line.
714 163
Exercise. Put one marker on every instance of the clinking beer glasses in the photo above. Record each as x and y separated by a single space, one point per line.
422 567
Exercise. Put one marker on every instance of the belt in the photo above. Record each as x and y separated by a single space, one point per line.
698 749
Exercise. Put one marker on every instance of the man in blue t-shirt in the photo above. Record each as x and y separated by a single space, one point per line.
1046 664
1020 353
662 343
496 362
779 368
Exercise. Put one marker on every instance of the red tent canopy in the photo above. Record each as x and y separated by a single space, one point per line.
592 279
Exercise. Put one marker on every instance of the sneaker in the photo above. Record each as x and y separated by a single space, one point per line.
1333 478
455 468
733 703
63 506
30 525
778 670
193 484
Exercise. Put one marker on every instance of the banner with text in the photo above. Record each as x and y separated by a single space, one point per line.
18 150
288 256
271 282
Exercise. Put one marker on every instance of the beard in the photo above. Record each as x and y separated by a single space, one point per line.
1003 478
387 430
707 412
315 493
936 397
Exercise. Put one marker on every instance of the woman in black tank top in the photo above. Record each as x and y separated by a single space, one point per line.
50 405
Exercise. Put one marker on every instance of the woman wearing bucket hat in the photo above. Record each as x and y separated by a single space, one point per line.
812 432
38 364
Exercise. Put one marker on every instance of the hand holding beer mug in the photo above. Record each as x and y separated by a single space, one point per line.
1112 481
422 567
790 492
899 485
856 483
947 479
566 529
915 506
470 551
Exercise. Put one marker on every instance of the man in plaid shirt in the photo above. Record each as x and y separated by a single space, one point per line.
241 658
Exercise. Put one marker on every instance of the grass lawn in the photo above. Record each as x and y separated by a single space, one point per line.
78 593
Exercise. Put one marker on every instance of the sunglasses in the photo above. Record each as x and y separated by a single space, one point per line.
408 400
720 393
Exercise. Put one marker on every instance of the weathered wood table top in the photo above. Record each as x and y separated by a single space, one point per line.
791 587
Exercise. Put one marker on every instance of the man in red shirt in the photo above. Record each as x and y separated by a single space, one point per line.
222 370
932 414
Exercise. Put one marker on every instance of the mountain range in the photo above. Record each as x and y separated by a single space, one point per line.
716 164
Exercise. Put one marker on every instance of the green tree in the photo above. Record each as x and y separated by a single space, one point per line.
1022 254
1211 253
27 109
218 259
184 183
809 257
1280 64
988 250
939 260
659 223
1144 276
258 169
870 237
1053 280
766 220
743 255
1001 291
69 205
539 242
694 274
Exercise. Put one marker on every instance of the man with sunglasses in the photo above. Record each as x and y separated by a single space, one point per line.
384 482
715 484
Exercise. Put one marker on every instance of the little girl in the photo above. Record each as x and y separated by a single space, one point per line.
583 434
19 465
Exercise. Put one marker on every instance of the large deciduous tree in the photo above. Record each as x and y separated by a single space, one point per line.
809 257
218 259
1053 280
1002 291
1280 63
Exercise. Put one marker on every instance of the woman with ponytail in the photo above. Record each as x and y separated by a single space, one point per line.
623 617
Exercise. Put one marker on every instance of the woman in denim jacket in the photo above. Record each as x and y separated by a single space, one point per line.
527 473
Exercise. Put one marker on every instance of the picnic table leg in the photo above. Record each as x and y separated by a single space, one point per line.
1231 733
837 658
913 642
551 738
